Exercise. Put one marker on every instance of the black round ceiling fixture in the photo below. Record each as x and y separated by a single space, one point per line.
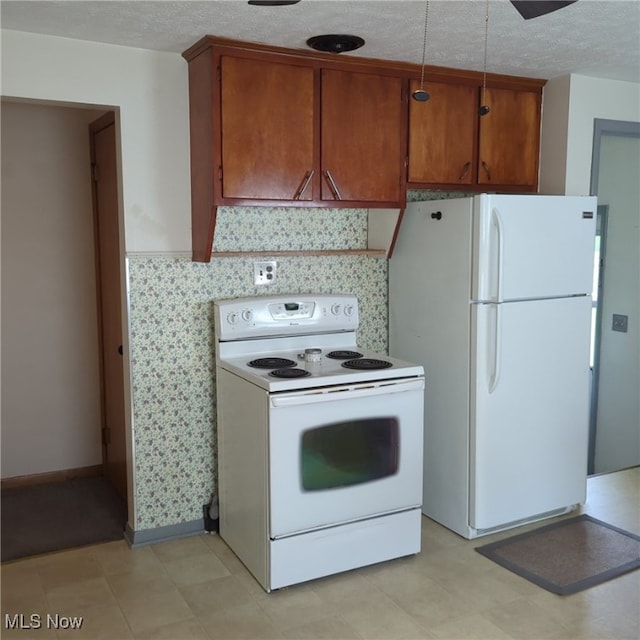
335 42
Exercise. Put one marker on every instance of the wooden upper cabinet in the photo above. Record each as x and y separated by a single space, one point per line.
363 126
297 133
510 139
451 145
282 127
442 135
267 129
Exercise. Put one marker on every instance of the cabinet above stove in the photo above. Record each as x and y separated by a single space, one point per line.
280 127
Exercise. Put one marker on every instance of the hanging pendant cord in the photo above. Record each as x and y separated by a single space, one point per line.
424 43
486 40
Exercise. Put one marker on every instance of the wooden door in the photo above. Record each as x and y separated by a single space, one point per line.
363 137
510 139
267 111
105 192
443 134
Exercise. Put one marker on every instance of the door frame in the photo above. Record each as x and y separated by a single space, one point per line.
601 226
110 119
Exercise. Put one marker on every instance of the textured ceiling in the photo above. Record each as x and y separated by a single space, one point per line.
591 37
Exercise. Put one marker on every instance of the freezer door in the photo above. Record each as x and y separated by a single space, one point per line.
532 246
529 409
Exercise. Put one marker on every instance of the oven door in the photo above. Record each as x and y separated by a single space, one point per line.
344 453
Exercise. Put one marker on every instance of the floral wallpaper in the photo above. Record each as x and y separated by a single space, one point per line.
172 346
289 229
172 337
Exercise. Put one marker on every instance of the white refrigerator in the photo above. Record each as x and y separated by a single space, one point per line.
492 295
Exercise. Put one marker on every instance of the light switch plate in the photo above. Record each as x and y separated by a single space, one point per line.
620 323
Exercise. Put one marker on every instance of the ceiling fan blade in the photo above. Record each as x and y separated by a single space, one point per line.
535 8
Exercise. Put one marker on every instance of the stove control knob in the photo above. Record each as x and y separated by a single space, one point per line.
348 310
336 308
232 318
247 314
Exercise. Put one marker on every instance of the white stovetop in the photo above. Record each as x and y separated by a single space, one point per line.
326 372
283 327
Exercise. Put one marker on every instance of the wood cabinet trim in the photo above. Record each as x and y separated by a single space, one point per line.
373 253
202 154
384 67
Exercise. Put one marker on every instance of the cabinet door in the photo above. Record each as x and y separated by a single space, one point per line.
363 134
442 135
267 129
510 138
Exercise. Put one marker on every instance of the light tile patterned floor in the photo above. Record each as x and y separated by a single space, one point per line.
195 588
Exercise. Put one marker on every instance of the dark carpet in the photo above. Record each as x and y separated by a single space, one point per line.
568 556
60 515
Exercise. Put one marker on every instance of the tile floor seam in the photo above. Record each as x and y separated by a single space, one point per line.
124 617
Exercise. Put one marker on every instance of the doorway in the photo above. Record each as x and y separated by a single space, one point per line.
51 408
614 441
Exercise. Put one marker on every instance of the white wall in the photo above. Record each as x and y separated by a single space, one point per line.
553 135
50 365
148 90
151 90
570 105
618 421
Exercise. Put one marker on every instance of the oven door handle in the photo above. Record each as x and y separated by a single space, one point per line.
316 396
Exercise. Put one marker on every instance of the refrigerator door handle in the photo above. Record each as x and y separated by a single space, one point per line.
496 222
494 374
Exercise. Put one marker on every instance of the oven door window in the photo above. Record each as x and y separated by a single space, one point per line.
344 454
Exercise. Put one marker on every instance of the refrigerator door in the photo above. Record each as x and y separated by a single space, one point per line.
529 409
528 247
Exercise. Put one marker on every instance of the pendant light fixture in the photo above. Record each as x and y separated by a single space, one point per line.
420 94
484 108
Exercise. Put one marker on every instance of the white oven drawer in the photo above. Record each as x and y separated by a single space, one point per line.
344 453
300 558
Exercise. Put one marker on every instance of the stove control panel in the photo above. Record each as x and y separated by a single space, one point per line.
291 310
263 316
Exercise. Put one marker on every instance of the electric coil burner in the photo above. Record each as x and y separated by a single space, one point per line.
367 363
271 363
289 373
319 462
343 355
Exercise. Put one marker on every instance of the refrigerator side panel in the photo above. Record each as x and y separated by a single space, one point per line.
530 397
532 246
429 323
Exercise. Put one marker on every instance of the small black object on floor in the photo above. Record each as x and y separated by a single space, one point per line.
60 515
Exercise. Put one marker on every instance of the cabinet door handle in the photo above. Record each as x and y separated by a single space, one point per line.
486 168
332 185
304 185
465 170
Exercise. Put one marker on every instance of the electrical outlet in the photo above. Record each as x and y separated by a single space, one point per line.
264 272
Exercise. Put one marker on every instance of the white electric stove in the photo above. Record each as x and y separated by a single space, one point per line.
319 441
